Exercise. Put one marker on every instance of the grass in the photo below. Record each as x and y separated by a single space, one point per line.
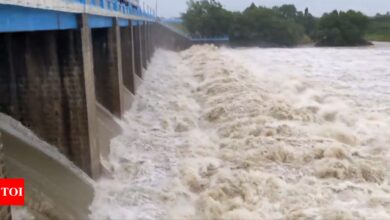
378 37
379 31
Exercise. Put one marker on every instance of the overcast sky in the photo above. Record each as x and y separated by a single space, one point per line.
173 8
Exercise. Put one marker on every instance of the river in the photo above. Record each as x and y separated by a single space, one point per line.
251 133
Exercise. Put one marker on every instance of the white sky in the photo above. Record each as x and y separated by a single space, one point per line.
173 8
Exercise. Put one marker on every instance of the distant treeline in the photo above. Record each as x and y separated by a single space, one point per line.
282 26
379 28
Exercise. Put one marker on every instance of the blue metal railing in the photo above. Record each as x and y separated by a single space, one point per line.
124 7
14 18
211 39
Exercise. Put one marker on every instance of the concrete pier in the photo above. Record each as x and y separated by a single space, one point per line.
138 48
106 68
128 66
90 163
144 44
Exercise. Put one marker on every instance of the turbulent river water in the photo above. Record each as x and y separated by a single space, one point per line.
218 133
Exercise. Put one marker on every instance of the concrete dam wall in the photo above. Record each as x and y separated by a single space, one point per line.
66 79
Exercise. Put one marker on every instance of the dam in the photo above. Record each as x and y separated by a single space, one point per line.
107 112
69 69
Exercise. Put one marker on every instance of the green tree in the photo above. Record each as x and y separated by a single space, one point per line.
305 19
207 18
308 21
342 28
287 11
260 25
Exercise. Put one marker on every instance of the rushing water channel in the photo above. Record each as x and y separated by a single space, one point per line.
254 133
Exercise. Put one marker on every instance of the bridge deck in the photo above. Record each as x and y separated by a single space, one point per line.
36 15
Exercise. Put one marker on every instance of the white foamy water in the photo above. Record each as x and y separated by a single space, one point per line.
255 134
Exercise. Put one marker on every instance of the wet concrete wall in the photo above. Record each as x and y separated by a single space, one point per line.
128 67
166 38
5 211
106 69
144 44
54 188
138 48
68 86
42 76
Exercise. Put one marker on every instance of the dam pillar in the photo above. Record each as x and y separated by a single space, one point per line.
5 211
127 47
151 39
144 45
91 155
119 65
107 68
137 52
151 46
147 43
154 36
128 67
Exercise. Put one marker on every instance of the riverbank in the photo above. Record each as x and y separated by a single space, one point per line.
379 29
378 37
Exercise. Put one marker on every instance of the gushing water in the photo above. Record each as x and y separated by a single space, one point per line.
255 134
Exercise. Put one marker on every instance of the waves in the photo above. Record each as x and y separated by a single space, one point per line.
250 134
